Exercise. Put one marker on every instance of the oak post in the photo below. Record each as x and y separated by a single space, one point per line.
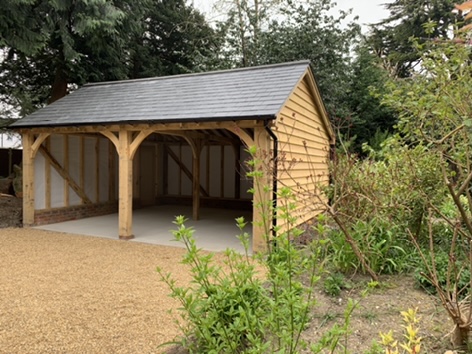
196 180
262 213
125 206
28 179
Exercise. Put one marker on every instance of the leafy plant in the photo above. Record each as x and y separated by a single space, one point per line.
411 343
380 241
336 337
375 200
221 309
375 348
230 308
447 269
435 111
334 283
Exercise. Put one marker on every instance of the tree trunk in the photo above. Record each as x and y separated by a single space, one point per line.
242 34
460 337
59 87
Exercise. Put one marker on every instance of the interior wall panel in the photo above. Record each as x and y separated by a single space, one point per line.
57 182
203 167
229 168
39 182
187 161
104 171
215 171
89 168
74 167
160 170
173 171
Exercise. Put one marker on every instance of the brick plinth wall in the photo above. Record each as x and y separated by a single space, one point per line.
50 216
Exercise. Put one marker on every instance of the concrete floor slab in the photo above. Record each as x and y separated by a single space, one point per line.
215 231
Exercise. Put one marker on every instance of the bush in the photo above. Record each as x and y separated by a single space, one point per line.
384 245
232 309
379 201
410 342
459 277
396 183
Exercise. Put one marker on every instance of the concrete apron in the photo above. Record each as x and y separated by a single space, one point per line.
215 231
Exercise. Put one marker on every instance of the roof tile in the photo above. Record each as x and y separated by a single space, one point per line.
249 93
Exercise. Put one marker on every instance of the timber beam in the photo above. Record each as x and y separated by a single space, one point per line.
262 210
64 173
155 127
184 169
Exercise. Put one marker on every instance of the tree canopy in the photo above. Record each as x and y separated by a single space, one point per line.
52 47
392 38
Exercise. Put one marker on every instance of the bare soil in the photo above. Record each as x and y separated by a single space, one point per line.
62 293
10 211
378 310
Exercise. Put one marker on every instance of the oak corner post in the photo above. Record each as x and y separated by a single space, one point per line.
31 145
262 213
28 179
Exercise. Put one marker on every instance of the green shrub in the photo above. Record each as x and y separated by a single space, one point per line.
231 309
384 245
395 183
459 276
380 200
221 309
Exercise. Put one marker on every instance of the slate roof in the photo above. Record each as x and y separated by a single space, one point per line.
249 93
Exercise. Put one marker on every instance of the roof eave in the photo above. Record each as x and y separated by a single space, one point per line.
16 127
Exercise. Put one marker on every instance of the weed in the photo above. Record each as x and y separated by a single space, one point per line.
369 315
334 283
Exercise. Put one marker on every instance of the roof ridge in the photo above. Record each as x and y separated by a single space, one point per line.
213 72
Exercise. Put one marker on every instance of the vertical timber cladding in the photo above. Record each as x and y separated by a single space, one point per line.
78 171
304 144
217 171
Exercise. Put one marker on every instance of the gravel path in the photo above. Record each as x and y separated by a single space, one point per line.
79 294
72 294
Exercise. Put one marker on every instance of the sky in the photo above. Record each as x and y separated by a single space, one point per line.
9 141
369 11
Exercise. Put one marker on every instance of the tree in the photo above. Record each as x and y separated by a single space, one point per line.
23 86
311 31
274 31
391 38
175 39
435 112
370 121
95 40
245 22
69 32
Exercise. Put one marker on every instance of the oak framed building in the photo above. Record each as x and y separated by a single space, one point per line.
181 139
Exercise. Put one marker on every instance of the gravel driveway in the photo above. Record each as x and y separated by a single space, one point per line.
80 294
